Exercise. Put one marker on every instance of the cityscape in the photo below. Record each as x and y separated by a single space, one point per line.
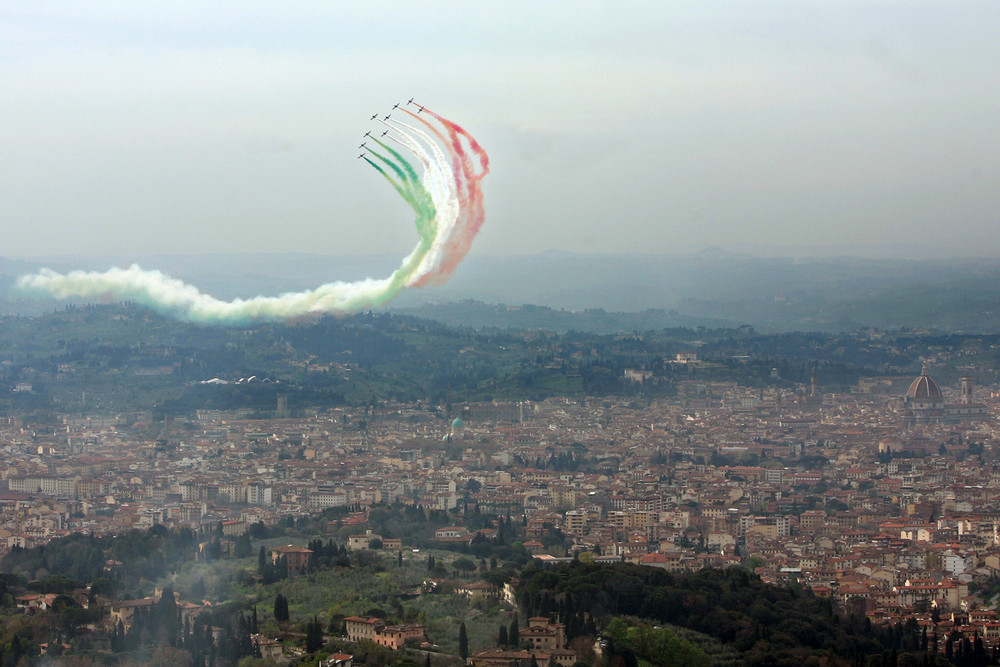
877 496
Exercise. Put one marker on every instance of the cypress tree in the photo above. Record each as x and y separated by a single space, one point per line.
13 655
208 641
513 636
166 620
133 637
245 646
243 546
280 608
118 638
314 636
198 589
463 642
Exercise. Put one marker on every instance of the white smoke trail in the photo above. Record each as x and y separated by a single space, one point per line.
161 292
169 295
435 176
441 185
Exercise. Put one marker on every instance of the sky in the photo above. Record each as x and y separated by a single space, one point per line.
192 127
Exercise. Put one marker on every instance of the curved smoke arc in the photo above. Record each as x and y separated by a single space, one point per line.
445 196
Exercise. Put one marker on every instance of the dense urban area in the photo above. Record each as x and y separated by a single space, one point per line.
380 489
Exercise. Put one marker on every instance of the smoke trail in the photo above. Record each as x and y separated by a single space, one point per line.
469 165
444 194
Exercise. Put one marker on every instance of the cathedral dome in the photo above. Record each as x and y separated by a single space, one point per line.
925 388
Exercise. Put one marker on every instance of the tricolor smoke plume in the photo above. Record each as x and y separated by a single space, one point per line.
442 188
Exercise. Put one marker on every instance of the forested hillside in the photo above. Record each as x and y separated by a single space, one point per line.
768 625
123 357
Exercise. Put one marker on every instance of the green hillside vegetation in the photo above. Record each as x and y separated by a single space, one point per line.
768 625
376 585
121 357
643 645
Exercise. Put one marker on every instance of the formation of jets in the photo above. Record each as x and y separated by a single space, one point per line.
375 117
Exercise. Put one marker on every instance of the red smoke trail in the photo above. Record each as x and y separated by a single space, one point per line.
471 164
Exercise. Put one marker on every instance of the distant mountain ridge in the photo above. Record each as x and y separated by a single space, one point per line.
711 288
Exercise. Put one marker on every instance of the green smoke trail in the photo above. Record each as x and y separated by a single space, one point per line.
404 191
419 199
413 192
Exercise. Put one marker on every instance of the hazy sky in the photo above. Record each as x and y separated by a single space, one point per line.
202 127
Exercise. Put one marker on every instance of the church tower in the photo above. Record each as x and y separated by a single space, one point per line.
967 384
